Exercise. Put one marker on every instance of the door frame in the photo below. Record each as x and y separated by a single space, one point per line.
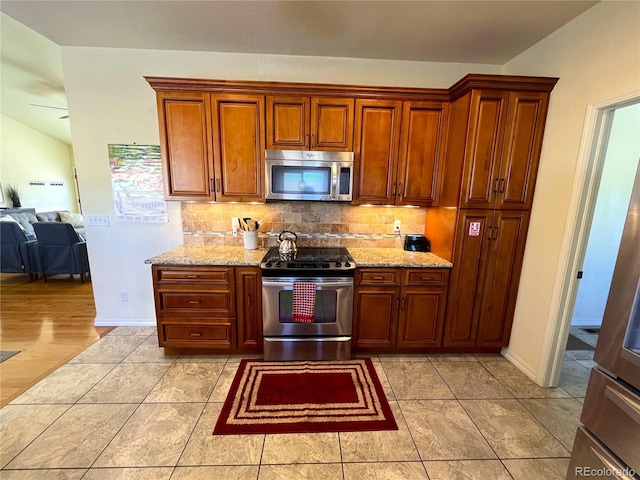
591 158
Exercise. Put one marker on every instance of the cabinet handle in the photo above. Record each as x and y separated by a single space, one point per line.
398 303
502 184
426 278
193 302
192 276
495 234
217 184
394 190
496 187
211 185
377 278
195 334
249 301
404 301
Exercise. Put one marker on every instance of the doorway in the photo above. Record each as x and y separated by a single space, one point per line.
608 159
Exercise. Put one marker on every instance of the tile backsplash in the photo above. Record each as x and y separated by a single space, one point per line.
315 223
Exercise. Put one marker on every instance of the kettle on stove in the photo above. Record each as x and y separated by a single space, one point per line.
287 245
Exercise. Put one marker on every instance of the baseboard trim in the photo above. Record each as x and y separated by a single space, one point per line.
124 322
521 364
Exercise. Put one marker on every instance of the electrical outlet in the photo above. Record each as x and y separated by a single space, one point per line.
235 226
123 295
97 220
396 225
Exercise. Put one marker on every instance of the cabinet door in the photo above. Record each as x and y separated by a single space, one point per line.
467 275
332 124
485 136
185 142
421 317
376 151
422 149
249 307
506 246
521 153
238 137
288 122
375 311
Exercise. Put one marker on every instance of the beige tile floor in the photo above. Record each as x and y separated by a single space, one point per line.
121 410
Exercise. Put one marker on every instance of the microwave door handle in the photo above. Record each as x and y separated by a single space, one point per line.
334 181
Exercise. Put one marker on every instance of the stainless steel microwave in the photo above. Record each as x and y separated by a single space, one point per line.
309 175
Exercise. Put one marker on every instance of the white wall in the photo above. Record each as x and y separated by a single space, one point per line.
621 163
28 154
596 55
110 102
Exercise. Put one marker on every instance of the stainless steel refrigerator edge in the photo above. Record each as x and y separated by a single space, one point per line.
608 445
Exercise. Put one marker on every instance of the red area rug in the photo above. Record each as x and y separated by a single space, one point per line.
305 397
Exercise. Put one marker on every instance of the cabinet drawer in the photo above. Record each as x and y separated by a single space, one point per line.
424 276
378 276
612 412
187 275
214 301
220 335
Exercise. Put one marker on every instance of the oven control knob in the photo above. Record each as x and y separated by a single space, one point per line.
347 264
338 264
278 264
268 264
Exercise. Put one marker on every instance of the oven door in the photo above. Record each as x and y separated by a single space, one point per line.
333 308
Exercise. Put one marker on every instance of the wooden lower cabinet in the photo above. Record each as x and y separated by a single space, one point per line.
249 307
399 308
208 307
375 316
484 284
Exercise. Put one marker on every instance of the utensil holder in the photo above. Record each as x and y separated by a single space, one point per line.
250 240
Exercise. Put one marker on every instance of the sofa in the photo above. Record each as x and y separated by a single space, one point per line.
17 253
26 217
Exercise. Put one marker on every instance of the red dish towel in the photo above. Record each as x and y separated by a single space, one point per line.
304 301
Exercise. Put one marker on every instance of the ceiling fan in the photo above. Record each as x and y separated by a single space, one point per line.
50 106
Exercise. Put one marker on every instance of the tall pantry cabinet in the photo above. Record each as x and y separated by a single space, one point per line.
494 142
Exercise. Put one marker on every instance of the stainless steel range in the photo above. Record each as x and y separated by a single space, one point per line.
307 302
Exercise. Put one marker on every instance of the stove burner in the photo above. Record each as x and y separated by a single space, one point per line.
309 261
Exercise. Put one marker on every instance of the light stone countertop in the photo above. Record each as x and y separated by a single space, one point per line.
199 255
364 257
395 257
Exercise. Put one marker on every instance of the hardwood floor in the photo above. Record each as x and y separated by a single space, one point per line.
49 323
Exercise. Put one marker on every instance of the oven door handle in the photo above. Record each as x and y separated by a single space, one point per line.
320 283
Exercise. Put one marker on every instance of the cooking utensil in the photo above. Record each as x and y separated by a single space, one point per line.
287 245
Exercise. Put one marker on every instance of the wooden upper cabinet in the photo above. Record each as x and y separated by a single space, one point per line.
288 122
376 151
422 150
239 144
185 142
485 135
332 124
504 138
310 123
521 152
